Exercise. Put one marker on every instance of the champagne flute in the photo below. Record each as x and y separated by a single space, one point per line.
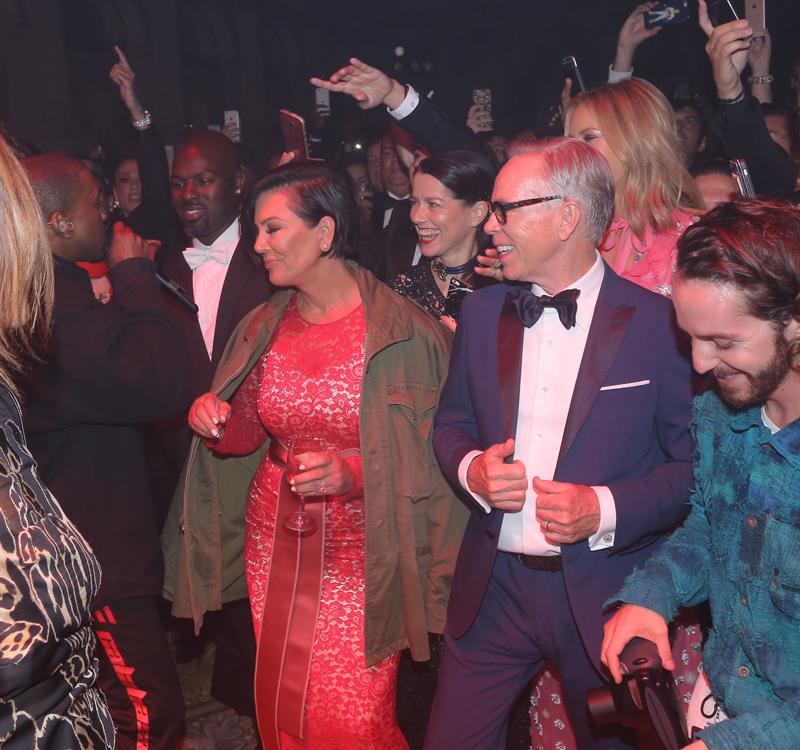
300 522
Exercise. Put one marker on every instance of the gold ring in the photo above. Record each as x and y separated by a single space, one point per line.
547 527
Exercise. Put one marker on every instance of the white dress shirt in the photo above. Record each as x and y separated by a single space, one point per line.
551 357
208 278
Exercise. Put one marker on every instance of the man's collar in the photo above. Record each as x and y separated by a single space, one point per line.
229 238
589 287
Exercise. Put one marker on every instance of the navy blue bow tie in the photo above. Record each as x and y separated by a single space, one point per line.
529 306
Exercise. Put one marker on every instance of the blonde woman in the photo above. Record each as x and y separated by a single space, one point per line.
631 123
48 573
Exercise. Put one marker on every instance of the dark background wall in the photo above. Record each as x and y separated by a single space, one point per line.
196 58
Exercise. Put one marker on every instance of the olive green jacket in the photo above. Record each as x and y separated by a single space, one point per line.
414 522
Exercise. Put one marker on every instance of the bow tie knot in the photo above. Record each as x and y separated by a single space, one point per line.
196 256
530 306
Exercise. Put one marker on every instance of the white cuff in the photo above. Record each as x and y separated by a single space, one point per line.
407 106
603 538
462 480
615 76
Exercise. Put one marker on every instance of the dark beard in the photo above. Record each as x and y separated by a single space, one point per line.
764 383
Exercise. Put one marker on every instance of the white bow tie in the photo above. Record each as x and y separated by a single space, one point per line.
196 256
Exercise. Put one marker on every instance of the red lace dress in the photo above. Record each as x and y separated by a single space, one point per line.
309 383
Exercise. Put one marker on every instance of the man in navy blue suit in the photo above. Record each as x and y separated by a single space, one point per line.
565 420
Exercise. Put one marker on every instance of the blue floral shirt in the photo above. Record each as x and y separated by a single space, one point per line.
739 548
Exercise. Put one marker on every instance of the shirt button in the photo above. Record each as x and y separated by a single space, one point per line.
544 389
752 522
539 436
607 538
743 672
744 601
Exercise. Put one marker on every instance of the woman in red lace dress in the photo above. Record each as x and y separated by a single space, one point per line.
340 358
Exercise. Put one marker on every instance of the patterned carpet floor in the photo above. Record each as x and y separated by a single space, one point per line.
210 725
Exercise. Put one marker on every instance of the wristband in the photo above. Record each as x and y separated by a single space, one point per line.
144 123
768 78
728 102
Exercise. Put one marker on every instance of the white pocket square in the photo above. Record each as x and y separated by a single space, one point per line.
618 386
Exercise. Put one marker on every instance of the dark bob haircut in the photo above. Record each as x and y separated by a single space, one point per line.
468 177
750 245
315 190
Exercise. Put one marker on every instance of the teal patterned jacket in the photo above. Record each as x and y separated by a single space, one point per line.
739 549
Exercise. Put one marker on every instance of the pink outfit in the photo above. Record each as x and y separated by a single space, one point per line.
653 267
654 256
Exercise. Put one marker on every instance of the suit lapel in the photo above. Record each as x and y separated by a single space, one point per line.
606 334
176 267
509 364
240 270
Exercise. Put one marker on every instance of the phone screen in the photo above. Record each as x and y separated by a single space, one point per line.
721 11
569 66
293 128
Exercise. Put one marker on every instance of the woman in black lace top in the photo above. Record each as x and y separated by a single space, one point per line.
449 205
48 573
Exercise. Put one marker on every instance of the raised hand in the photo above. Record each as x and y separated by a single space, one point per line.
759 54
369 86
125 244
727 48
122 74
479 120
631 34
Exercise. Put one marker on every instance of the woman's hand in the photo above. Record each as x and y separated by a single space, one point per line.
631 35
448 322
479 120
322 473
369 86
122 74
490 265
760 54
208 416
727 49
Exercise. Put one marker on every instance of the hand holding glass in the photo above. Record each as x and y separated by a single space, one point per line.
300 522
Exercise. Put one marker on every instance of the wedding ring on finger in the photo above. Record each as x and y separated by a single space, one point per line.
547 527
322 488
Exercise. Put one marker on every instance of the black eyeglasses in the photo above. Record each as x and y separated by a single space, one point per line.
500 210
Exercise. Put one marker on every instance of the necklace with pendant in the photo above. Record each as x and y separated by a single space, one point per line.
443 271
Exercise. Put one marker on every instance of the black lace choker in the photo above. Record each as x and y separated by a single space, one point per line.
443 271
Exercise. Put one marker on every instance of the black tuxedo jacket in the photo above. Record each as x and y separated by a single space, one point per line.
246 286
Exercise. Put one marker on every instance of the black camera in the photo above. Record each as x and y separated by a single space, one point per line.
646 699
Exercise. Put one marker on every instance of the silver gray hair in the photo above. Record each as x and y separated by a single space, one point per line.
576 171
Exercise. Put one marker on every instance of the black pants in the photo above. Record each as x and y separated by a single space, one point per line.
138 676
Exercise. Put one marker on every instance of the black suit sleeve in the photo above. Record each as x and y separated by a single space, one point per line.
121 363
154 218
427 125
744 132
